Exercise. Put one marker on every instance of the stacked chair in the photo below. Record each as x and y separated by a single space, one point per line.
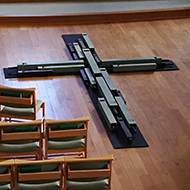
87 173
6 172
21 139
68 137
61 137
19 103
43 139
39 175
62 173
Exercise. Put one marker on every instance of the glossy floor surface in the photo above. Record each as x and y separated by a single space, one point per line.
158 101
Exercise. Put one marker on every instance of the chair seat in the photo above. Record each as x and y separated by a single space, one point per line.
87 185
60 145
27 147
39 186
21 111
4 186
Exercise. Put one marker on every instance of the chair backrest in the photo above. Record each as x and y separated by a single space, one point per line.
6 174
21 138
87 173
14 100
69 135
41 174
17 97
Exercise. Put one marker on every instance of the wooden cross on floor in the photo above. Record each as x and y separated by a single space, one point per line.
120 126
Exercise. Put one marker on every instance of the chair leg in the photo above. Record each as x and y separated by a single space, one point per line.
45 155
46 143
43 109
85 154
65 177
61 179
0 112
15 177
40 155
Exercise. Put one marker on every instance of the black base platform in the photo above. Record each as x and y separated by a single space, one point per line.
117 137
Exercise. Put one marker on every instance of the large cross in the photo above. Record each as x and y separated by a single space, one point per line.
121 127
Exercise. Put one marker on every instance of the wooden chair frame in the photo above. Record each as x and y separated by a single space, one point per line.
22 135
81 152
69 174
20 100
14 175
10 175
39 175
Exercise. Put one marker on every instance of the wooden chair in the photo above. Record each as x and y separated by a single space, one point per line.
22 139
87 173
19 103
6 175
40 174
68 137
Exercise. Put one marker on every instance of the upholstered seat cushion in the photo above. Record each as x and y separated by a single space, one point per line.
88 165
87 185
25 147
4 186
21 128
3 169
60 145
40 186
39 168
15 93
21 111
67 126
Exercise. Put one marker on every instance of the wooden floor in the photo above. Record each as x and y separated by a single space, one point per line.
159 101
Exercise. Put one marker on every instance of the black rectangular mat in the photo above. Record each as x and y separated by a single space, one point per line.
117 137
